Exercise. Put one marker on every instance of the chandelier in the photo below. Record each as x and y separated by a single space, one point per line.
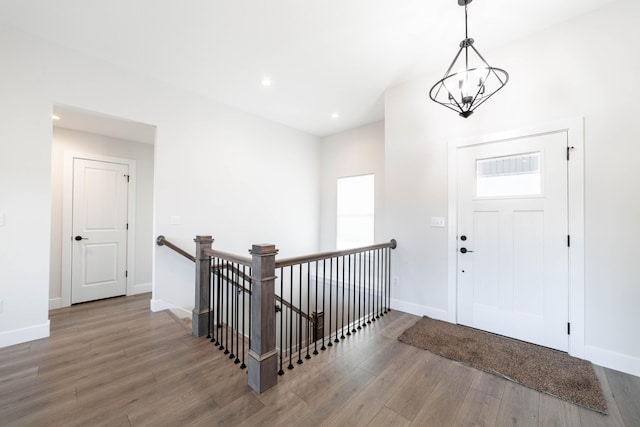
473 80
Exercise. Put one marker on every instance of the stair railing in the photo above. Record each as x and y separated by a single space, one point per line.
323 298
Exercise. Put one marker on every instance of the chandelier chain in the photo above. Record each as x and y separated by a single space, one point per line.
466 28
466 36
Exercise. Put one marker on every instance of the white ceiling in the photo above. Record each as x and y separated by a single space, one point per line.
101 124
322 56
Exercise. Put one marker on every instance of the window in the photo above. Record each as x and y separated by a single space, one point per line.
355 210
517 175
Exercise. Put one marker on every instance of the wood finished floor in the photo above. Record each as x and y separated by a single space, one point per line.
115 363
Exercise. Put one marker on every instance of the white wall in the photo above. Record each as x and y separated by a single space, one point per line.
581 68
25 200
227 173
88 143
357 151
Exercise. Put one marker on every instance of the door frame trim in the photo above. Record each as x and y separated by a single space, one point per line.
575 196
67 217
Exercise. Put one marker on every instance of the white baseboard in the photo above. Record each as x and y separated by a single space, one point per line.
156 305
159 305
142 288
419 310
18 336
611 359
55 303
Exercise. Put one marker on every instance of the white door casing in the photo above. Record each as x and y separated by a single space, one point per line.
68 232
99 257
512 238
574 129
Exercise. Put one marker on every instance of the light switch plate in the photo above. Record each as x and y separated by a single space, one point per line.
437 221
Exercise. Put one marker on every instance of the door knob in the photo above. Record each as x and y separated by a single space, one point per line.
464 250
78 238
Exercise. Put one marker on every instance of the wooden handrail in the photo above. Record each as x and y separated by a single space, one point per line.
161 241
228 257
235 270
286 262
218 271
295 309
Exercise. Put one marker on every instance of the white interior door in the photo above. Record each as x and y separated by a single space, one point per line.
99 254
513 238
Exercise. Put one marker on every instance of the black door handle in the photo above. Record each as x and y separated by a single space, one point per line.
464 250
78 238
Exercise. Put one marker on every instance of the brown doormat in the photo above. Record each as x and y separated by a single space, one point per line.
540 368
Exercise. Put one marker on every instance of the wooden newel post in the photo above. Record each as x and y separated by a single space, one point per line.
263 357
200 314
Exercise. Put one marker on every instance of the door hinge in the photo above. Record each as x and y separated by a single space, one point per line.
126 273
127 176
569 151
568 328
568 241
127 226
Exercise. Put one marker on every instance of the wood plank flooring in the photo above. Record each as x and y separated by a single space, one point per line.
115 363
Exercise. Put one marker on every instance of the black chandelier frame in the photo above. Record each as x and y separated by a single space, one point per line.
466 105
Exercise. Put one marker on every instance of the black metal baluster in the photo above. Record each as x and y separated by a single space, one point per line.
315 302
286 328
349 296
330 344
385 261
238 292
374 287
379 287
308 356
369 311
360 289
299 362
324 285
218 303
223 307
365 291
244 314
355 285
232 296
389 279
281 372
290 318
209 313
212 308
337 297
383 276
250 291
374 296
344 283
226 326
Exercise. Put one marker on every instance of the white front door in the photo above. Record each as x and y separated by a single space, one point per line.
99 254
513 239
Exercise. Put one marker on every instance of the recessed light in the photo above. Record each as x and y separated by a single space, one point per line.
266 81
54 117
335 115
